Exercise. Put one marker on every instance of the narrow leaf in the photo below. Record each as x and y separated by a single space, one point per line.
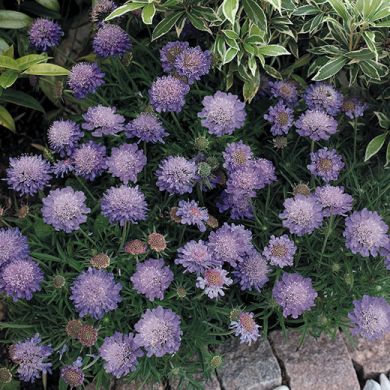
8 77
31 59
166 25
14 19
6 119
21 99
341 9
272 50
229 9
374 146
46 70
255 13
388 155
124 9
50 4
330 69
148 13
8 63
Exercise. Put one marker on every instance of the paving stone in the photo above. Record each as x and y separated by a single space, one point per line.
320 364
371 356
121 385
249 367
210 384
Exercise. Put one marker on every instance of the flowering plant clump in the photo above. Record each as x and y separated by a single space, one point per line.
166 213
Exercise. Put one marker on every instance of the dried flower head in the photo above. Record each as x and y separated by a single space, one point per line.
73 328
87 335
59 281
101 260
301 188
157 242
135 247
72 374
5 375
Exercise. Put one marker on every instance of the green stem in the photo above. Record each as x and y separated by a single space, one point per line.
87 237
124 236
327 234
355 127
86 189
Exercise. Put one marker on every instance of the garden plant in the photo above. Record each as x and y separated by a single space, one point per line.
200 170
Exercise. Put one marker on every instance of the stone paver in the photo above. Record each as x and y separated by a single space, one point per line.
211 384
249 367
320 364
372 356
120 385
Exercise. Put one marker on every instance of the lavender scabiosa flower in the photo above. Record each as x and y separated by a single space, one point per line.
89 160
63 136
252 272
280 251
124 204
193 63
152 278
365 233
126 162
230 243
28 174
281 117
317 125
370 317
176 175
111 40
20 278
214 281
158 332
72 374
103 120
334 200
169 53
295 294
284 90
239 205
222 113
245 327
13 245
44 34
236 155
167 94
322 96
353 108
95 293
195 257
65 209
302 214
191 213
147 127
385 253
85 78
266 171
63 168
326 164
120 354
101 9
31 357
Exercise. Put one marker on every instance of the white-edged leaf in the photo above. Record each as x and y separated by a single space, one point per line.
148 13
229 9
330 69
341 9
124 9
229 56
276 4
255 13
272 50
374 146
388 155
166 25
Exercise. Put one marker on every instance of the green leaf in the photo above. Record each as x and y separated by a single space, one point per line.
8 77
370 69
198 23
124 9
272 72
50 4
383 119
330 69
384 24
250 88
388 155
3 45
369 38
276 4
31 59
272 50
166 24
374 146
255 13
14 19
341 9
148 13
229 9
46 70
229 55
6 119
306 10
21 99
231 34
8 63
42 230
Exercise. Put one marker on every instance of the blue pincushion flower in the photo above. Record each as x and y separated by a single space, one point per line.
322 96
169 53
190 213
13 245
147 127
85 78
89 160
316 124
45 34
63 136
111 40
245 327
281 117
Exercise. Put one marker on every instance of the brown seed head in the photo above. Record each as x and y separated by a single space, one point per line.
135 247
157 242
101 260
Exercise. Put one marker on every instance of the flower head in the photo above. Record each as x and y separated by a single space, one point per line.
124 204
214 281
252 272
147 127
195 257
101 9
63 136
94 293
170 52
281 117
245 327
365 233
370 317
28 174
65 209
280 251
85 78
89 160
120 354
13 245
20 278
385 253
284 90
111 40
63 168
193 63
87 335
295 294
322 96
239 204
353 108
222 113
100 261
176 175
302 214
152 278
126 162
158 332
72 374
73 328
334 200
44 34
31 357
103 120
326 164
191 213
167 94
157 242
135 247
236 155
317 125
